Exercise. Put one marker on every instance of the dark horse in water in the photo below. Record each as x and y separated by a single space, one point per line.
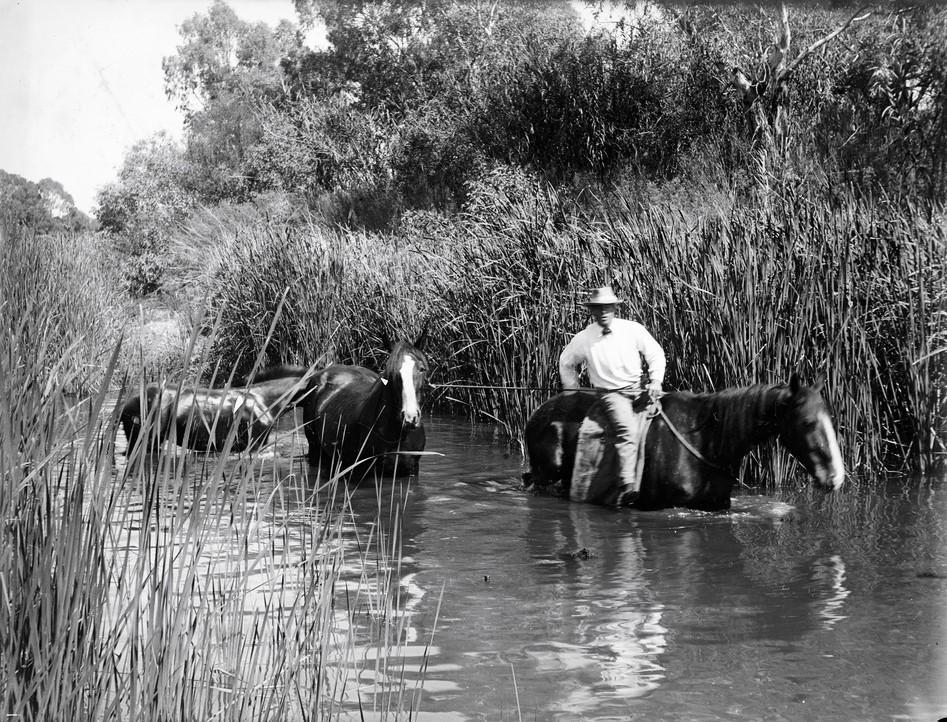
207 419
694 444
358 420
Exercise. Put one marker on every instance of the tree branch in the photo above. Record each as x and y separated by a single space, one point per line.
819 43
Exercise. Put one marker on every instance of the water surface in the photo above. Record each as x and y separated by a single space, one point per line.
795 605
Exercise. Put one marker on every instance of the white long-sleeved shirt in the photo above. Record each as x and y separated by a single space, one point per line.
613 360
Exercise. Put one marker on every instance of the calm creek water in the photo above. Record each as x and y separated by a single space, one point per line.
791 606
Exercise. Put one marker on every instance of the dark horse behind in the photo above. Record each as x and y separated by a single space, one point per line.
694 446
358 421
232 418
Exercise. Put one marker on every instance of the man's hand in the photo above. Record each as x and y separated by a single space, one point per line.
654 390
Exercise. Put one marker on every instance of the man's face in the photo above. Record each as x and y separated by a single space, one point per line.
603 314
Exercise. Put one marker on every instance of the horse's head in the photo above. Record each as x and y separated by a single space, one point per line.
805 428
407 368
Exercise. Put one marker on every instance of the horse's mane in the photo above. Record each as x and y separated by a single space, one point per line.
734 415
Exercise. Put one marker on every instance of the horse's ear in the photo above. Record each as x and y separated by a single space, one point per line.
422 338
794 383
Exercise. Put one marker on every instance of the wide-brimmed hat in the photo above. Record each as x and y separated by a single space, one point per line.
603 296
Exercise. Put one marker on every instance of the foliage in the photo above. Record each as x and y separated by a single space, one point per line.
311 147
408 103
222 72
44 207
432 159
865 111
891 105
401 54
365 290
223 57
141 208
581 108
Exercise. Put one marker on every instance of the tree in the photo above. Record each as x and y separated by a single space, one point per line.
400 54
141 209
45 207
580 107
222 55
223 71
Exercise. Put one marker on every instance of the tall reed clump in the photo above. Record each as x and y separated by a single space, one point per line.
847 295
175 585
339 295
850 294
60 294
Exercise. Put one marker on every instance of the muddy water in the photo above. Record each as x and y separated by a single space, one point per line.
791 606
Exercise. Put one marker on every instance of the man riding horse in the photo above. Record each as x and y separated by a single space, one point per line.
611 350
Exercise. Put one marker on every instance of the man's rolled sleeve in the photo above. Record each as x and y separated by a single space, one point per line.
569 361
654 355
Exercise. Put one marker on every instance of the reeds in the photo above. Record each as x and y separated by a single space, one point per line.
340 295
846 291
59 298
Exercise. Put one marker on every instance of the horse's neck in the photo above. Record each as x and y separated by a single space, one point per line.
384 401
392 392
740 419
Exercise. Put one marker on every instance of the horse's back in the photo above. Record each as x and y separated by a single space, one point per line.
335 401
551 437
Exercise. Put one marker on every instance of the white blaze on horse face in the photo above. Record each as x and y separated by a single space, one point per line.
410 412
836 465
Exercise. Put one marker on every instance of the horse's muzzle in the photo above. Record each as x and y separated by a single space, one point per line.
410 421
836 479
829 477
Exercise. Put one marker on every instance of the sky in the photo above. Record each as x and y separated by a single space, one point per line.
81 82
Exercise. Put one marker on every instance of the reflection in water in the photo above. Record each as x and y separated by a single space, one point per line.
829 574
613 628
